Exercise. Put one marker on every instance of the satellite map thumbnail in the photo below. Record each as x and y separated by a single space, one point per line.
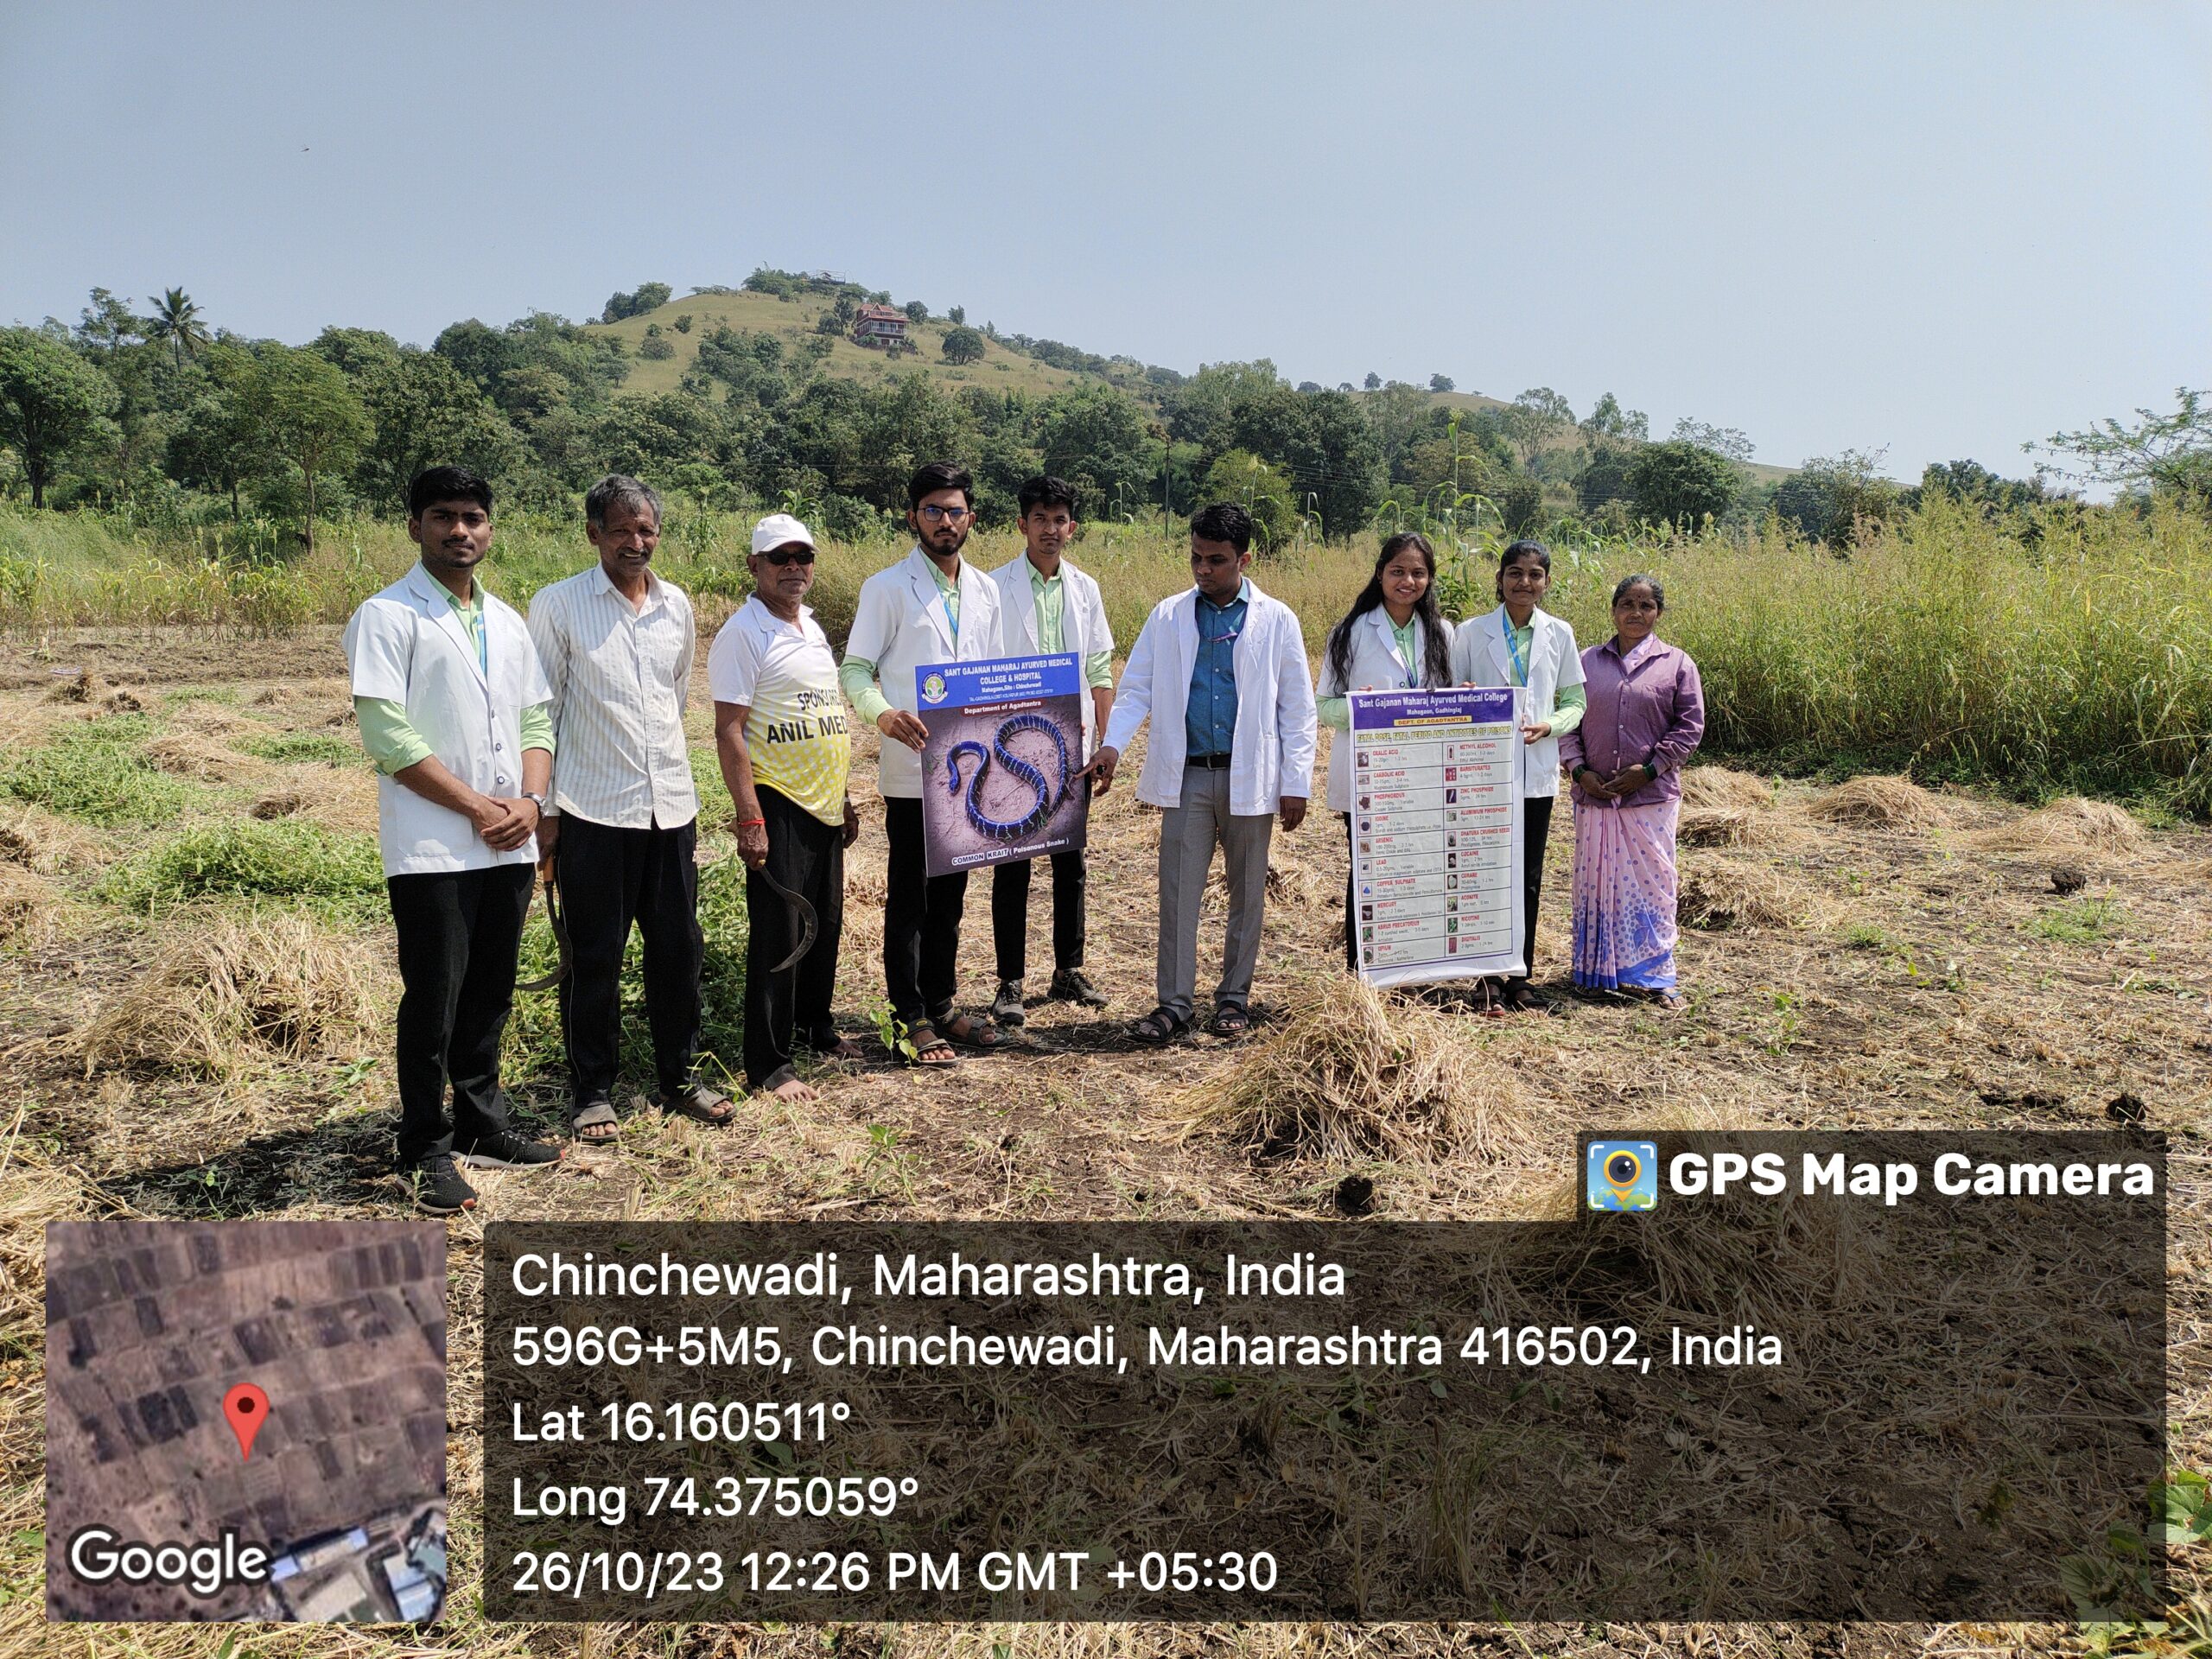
245 1420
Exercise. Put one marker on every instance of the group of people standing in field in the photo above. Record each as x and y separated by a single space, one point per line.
505 745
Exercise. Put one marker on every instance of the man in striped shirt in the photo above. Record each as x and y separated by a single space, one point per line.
617 644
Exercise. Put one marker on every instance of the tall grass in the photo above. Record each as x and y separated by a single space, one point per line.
2072 650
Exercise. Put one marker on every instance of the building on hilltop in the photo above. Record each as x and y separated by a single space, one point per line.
879 325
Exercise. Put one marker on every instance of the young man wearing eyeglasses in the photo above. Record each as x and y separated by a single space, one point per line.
785 749
1221 672
931 607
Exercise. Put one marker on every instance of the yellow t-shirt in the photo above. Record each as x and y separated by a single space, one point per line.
785 677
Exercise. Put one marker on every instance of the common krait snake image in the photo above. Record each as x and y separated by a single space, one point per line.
1048 798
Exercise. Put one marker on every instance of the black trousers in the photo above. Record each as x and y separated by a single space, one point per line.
808 856
1010 913
921 921
1535 833
458 932
612 879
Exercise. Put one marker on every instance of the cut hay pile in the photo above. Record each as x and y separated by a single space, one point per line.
186 754
1355 1076
85 686
1724 787
230 993
1880 803
30 908
45 841
2070 825
1735 826
1718 892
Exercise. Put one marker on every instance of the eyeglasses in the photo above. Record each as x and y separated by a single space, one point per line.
780 556
935 514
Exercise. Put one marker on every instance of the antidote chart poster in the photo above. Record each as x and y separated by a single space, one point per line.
999 771
1436 834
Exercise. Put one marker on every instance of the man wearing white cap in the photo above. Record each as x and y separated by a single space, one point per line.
785 749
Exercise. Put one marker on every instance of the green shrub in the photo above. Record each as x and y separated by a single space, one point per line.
2082 922
95 773
247 859
305 747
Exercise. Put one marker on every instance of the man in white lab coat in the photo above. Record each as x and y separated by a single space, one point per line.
1224 670
931 607
1049 606
452 710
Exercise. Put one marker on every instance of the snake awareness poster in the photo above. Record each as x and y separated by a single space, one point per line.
1436 834
999 771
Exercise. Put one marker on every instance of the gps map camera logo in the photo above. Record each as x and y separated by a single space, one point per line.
1623 1175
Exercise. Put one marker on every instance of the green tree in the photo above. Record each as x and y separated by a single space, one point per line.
1606 478
683 323
1609 421
108 325
1533 419
422 413
1440 383
50 399
1262 490
1097 439
963 346
216 446
2166 454
916 313
176 319
303 409
647 296
1828 498
1721 440
1681 484
957 315
1373 383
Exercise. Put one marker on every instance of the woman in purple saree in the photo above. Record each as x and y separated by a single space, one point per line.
1645 715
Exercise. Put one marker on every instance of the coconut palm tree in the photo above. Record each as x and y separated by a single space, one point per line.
176 319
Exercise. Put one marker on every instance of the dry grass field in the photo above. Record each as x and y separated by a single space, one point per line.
1873 955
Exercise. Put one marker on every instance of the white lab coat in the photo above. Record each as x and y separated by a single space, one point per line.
405 645
1480 657
1272 748
1083 627
1374 666
899 624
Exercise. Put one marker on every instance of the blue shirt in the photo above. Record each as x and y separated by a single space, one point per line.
1210 716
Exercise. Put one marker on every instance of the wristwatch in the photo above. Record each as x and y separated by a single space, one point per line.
543 805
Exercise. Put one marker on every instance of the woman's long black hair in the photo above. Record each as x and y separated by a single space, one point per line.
1436 653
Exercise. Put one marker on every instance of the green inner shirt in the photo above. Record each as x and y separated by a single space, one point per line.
1050 594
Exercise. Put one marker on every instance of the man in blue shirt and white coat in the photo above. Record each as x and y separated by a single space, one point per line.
1224 670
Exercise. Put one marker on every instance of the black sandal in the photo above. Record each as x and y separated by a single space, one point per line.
1159 1028
925 1040
1229 1021
981 1035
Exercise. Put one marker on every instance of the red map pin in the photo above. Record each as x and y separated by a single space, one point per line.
247 1407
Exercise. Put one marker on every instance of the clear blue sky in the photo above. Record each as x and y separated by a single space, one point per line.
1942 228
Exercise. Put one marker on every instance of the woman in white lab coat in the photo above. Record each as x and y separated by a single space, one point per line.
1393 639
1520 643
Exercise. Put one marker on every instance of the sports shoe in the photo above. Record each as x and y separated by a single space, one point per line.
1073 985
507 1150
438 1187
1006 1010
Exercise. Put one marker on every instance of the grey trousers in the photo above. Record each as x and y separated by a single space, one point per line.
1188 834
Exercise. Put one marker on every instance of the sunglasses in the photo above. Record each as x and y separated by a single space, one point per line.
780 556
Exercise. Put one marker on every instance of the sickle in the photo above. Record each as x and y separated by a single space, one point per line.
547 982
803 921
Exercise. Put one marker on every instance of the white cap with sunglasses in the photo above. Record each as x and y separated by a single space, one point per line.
779 530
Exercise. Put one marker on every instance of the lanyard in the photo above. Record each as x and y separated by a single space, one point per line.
1513 646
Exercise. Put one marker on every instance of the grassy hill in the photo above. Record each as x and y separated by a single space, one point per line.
1002 368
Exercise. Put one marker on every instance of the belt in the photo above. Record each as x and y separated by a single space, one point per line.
1207 762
